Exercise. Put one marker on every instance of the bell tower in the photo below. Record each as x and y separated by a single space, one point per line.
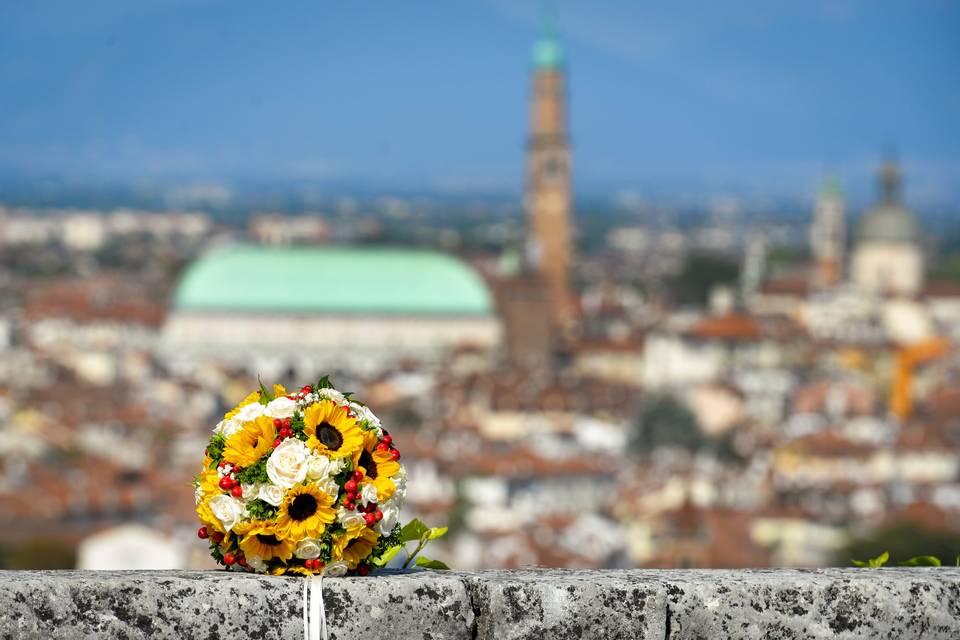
548 193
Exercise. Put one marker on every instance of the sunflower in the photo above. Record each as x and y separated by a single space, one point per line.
250 443
305 512
354 545
331 430
259 538
206 516
294 568
377 466
209 482
250 399
278 390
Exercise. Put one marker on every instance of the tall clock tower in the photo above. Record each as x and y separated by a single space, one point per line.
549 195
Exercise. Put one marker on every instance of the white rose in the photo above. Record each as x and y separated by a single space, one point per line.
330 487
227 510
229 427
250 412
364 414
391 512
400 479
307 548
369 493
318 467
282 407
257 564
350 519
287 465
331 394
271 494
250 491
336 569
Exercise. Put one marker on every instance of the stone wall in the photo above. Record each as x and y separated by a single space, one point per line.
501 605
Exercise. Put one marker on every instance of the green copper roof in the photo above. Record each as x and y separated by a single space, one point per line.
547 52
332 280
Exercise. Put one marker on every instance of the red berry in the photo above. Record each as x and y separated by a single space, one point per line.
371 507
351 486
308 563
388 440
276 443
229 559
277 422
370 519
305 388
358 475
202 533
242 561
378 515
222 464
217 537
383 446
286 423
394 455
363 570
237 491
226 482
348 504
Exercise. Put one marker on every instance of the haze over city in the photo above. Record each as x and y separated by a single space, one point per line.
750 99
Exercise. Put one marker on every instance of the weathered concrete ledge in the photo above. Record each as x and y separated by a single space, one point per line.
501 605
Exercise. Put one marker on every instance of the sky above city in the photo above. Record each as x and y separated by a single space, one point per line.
666 98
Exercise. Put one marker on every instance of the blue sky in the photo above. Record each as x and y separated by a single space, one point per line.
667 99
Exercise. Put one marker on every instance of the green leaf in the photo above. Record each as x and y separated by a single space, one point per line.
427 563
921 561
958 560
324 383
265 394
387 555
873 563
413 530
436 532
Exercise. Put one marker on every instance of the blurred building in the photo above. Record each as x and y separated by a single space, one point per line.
828 234
549 194
274 310
888 257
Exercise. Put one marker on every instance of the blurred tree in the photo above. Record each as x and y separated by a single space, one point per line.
700 273
946 269
664 421
904 540
39 554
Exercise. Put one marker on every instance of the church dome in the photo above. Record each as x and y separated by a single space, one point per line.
889 221
340 280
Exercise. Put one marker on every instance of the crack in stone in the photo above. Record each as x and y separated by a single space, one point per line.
472 596
667 621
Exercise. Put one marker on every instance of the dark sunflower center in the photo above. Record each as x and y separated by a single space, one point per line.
302 507
366 461
329 435
268 539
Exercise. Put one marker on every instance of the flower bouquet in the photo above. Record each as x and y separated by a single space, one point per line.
304 483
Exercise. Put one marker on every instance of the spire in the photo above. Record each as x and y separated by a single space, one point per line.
831 186
890 181
547 52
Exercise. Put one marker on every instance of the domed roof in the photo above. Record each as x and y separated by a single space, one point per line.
889 221
332 280
547 52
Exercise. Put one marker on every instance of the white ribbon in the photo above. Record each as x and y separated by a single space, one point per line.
314 614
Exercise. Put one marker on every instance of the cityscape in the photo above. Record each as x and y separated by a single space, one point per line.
616 381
